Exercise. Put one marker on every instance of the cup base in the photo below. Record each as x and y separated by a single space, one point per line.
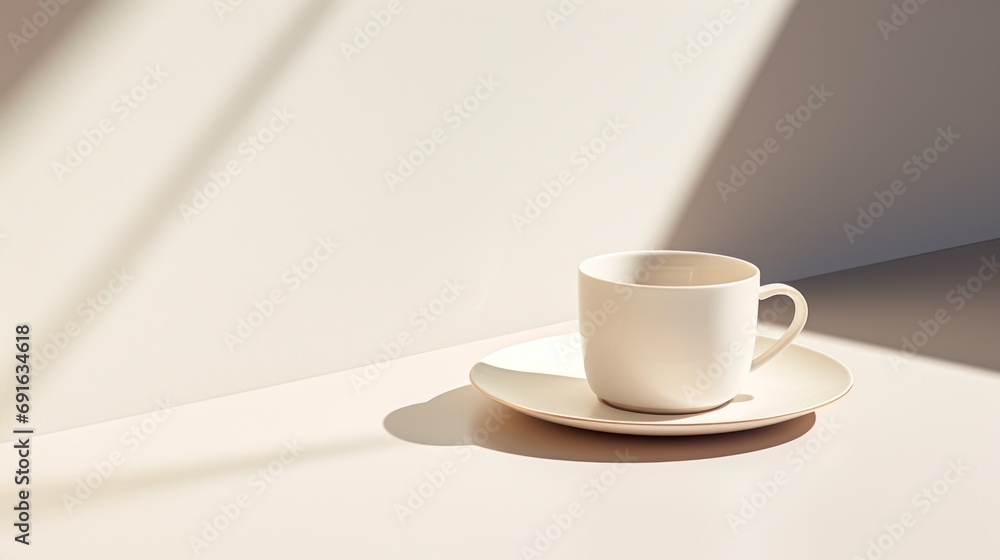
662 411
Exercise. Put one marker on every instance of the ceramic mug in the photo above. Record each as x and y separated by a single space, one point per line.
673 332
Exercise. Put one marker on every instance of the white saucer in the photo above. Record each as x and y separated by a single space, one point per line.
544 378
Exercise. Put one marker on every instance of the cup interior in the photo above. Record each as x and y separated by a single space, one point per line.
668 269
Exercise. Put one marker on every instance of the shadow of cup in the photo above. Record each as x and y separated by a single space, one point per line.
465 417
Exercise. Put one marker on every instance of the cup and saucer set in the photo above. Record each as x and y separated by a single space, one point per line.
667 346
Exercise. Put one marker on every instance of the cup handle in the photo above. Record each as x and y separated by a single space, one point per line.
798 321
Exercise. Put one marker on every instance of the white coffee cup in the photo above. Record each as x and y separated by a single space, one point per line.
673 332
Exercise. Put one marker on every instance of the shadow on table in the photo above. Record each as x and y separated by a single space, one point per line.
464 417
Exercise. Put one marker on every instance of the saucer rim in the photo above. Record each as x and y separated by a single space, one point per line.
662 419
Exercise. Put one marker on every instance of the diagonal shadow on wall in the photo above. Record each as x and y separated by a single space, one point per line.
31 32
889 91
816 173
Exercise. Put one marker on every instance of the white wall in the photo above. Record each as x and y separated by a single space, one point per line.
162 336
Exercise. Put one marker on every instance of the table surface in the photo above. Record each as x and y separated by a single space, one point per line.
327 467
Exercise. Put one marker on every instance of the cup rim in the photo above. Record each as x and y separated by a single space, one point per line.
654 252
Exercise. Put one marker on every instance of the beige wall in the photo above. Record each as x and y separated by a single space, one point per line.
348 264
